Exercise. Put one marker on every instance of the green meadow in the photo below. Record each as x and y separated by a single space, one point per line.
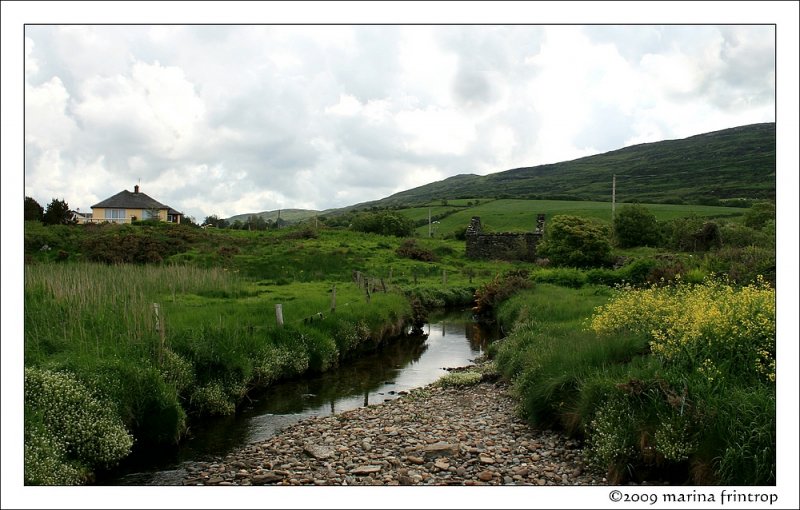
516 215
132 332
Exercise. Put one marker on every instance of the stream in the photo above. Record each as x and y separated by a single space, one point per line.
451 340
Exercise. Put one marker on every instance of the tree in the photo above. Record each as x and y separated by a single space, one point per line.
575 241
189 221
33 211
384 223
635 225
57 213
759 214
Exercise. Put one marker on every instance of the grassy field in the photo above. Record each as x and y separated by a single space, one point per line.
511 215
103 375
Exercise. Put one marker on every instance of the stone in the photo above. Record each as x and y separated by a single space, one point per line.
318 452
267 477
441 450
365 470
435 436
485 476
441 464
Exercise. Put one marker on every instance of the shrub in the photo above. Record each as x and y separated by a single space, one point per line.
409 249
635 225
385 223
74 426
575 241
57 213
33 211
692 234
498 290
742 265
759 214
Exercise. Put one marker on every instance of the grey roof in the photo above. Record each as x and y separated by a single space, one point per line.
129 200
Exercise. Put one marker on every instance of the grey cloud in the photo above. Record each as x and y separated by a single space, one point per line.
608 128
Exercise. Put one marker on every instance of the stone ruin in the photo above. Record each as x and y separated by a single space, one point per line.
503 246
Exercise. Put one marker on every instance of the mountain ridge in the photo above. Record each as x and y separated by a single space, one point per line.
727 165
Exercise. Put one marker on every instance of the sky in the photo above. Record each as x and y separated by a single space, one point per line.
329 104
233 119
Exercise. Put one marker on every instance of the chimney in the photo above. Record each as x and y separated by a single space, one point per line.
136 189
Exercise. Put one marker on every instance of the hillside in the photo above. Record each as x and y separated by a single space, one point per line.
712 168
289 215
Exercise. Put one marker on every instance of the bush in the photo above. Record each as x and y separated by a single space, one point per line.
577 242
132 245
743 265
759 214
735 235
635 225
409 249
57 213
33 211
69 426
498 290
692 234
385 223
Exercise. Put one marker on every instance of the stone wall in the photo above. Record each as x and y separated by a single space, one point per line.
503 246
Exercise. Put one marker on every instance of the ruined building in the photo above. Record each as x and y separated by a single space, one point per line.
503 246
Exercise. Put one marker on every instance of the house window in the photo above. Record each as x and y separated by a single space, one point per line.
115 215
149 214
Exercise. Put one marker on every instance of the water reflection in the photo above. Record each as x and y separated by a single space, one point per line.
404 364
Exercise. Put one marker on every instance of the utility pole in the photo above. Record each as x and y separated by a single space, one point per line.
613 196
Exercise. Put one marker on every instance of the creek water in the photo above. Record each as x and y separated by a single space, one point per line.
450 340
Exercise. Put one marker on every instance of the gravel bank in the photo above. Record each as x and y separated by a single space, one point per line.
431 436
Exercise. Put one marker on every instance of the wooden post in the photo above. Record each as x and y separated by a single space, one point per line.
444 277
333 299
160 330
383 286
279 314
366 289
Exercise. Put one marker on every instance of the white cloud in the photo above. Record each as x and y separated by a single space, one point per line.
219 118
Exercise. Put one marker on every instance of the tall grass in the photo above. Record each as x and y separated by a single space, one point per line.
217 339
673 382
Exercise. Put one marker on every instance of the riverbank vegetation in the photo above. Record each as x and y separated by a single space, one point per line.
136 330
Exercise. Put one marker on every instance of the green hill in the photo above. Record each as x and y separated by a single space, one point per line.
288 215
717 168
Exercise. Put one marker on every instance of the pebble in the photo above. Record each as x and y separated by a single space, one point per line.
429 436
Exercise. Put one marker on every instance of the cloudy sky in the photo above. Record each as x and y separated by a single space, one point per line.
232 119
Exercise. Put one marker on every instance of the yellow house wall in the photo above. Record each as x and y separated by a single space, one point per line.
99 214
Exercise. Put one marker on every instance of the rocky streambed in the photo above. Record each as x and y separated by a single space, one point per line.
431 436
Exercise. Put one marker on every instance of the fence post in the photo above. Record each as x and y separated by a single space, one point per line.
160 330
333 299
366 289
279 314
444 277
